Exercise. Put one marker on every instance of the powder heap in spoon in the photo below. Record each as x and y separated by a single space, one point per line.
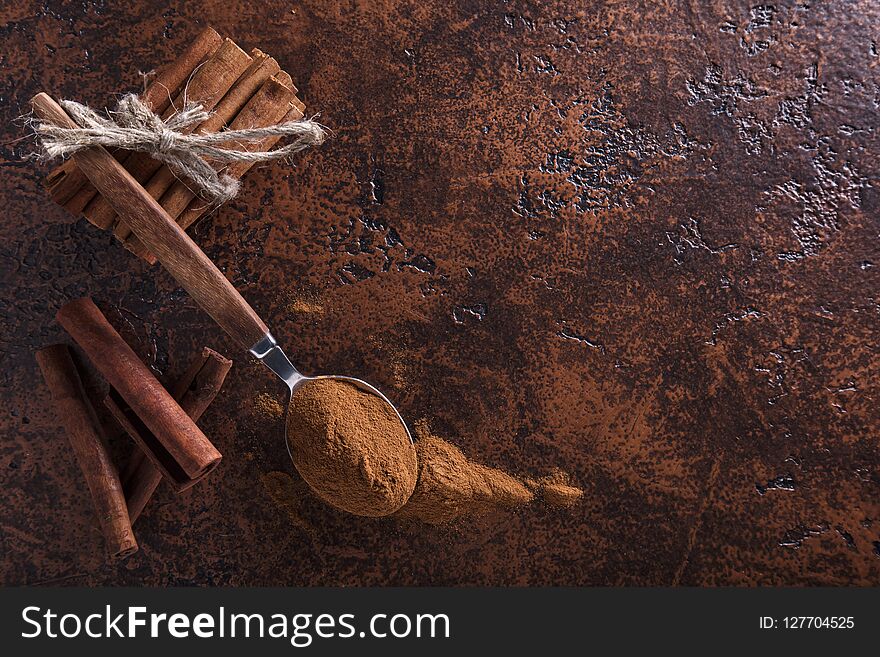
351 447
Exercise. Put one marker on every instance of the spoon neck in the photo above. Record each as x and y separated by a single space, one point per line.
273 357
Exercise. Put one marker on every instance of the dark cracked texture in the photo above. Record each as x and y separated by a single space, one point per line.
636 241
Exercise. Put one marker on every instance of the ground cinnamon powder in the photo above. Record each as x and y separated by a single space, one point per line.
556 489
450 486
280 487
350 447
268 405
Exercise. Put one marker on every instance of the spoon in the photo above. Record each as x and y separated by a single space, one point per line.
272 356
186 262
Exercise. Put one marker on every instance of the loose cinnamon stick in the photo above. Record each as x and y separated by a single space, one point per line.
250 81
67 184
194 391
86 439
207 86
181 451
140 479
266 107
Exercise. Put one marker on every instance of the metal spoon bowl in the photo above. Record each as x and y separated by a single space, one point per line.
273 357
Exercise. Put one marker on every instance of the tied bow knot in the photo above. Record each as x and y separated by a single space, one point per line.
167 142
188 154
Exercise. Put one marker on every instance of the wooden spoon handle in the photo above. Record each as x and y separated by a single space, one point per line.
182 257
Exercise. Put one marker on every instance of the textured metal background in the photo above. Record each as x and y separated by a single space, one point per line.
637 241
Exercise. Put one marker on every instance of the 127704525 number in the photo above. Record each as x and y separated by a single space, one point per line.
818 622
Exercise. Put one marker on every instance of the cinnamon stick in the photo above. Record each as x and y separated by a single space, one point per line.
194 392
197 207
67 185
86 439
261 68
207 86
181 450
267 107
238 169
64 181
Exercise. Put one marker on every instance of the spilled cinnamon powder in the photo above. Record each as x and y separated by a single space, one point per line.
556 489
303 302
351 447
268 405
353 451
450 486
305 307
279 486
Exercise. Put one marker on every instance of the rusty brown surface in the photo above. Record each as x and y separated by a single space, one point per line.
636 241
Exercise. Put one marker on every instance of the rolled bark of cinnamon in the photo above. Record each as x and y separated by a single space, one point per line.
194 391
266 107
181 451
68 186
196 207
86 438
64 181
250 81
238 169
207 86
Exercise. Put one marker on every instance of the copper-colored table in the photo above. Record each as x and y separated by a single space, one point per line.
636 241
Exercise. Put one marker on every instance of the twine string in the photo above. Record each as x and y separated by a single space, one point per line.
135 127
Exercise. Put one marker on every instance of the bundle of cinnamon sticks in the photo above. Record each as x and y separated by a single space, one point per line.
168 444
241 90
